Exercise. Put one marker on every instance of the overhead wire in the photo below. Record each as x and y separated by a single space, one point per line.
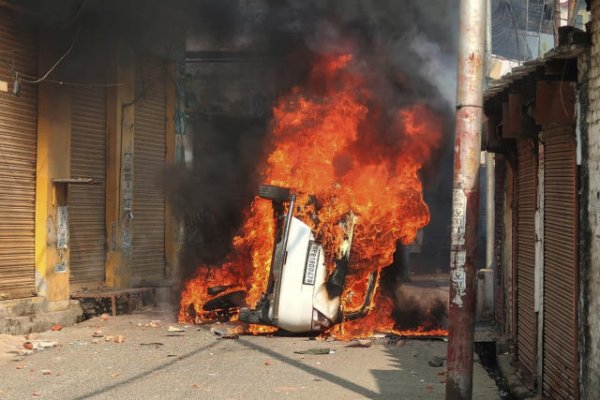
30 79
57 63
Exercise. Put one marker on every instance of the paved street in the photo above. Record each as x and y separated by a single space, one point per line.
154 363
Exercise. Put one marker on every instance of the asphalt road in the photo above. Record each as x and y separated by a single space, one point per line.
153 363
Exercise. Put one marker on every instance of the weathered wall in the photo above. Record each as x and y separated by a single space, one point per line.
590 345
54 133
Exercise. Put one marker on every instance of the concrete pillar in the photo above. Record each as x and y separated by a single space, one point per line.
53 144
171 227
119 174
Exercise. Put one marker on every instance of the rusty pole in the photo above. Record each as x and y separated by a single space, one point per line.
571 9
557 18
465 198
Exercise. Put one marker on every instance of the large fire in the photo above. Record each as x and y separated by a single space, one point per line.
335 140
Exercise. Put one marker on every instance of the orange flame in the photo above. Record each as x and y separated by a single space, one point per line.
327 141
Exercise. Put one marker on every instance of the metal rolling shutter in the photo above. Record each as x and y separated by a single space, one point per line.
560 366
18 143
149 159
526 323
87 202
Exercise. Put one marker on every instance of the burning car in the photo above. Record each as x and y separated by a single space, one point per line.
301 296
309 258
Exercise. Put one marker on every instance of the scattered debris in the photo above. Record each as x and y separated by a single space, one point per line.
436 362
175 329
155 323
98 333
36 393
234 336
116 339
362 343
46 372
316 351
43 345
224 333
40 345
56 327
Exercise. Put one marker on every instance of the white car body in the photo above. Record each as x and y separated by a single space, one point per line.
303 280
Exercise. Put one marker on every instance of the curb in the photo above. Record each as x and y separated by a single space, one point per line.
515 386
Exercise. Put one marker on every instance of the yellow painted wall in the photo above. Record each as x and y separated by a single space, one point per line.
54 131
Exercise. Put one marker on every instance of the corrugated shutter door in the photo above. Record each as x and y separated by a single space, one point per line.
87 202
526 323
149 160
18 142
560 366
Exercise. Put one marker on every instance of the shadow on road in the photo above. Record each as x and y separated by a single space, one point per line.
144 374
346 384
388 383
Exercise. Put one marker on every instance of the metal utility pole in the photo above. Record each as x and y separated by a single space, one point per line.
465 201
490 167
571 10
556 21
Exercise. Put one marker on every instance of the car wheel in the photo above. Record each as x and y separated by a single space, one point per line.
277 194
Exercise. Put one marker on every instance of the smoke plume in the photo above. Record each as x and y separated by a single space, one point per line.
408 45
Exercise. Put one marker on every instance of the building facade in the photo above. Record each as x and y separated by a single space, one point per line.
542 127
87 126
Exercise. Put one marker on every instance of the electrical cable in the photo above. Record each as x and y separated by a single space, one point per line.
81 84
77 14
57 63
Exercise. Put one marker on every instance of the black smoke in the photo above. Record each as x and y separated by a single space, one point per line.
410 45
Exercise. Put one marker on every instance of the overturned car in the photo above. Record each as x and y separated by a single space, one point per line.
301 295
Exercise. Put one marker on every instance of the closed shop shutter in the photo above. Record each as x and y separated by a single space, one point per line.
87 202
526 319
560 378
18 143
149 161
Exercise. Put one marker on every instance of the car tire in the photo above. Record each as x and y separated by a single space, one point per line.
277 194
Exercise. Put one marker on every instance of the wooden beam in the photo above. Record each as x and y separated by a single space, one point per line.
555 103
516 121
